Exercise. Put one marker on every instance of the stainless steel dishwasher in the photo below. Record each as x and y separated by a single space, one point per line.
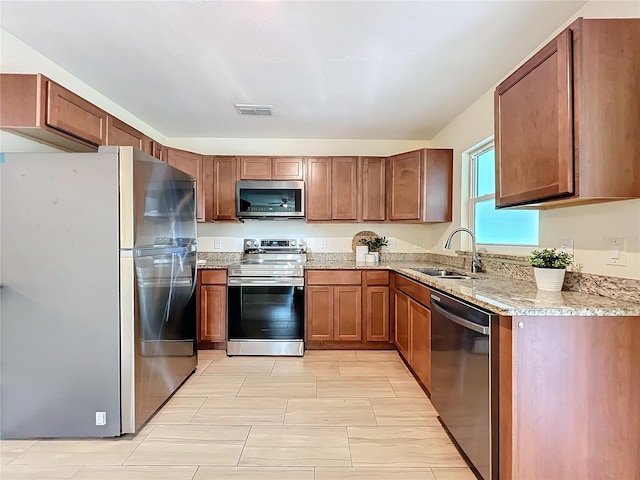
460 375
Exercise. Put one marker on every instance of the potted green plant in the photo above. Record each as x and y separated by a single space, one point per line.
375 244
549 268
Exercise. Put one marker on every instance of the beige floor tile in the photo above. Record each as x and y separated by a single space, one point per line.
330 355
345 387
407 388
77 452
10 449
292 446
391 412
202 366
304 368
377 355
240 366
402 447
190 445
178 410
329 411
254 473
211 386
136 473
208 355
374 369
241 411
265 386
364 473
37 472
453 474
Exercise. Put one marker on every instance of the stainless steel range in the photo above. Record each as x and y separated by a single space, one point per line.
266 299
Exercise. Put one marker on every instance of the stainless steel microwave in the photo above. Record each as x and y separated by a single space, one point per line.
269 199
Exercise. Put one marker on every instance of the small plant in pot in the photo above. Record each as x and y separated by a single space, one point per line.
375 244
549 268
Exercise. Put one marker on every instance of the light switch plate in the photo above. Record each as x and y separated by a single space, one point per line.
616 254
393 244
566 245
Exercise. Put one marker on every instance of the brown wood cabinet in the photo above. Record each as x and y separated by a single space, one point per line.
333 305
221 174
213 306
372 189
568 396
119 133
191 164
375 305
566 122
332 188
36 107
271 168
419 186
412 320
159 151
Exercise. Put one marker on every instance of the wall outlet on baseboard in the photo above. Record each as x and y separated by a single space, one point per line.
101 418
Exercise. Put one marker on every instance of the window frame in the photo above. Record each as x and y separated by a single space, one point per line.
473 200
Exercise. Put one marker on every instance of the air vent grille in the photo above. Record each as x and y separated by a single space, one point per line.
247 109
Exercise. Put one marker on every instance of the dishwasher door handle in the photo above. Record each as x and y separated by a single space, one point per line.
459 320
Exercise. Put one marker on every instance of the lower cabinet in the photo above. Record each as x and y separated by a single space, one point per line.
412 326
375 305
213 306
333 312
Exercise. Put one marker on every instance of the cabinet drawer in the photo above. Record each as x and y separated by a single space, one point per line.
376 277
415 290
215 277
334 277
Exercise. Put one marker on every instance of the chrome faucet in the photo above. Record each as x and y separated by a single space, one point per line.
476 264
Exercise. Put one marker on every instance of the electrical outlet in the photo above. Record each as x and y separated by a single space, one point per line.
418 243
217 243
566 245
323 243
101 418
393 244
616 254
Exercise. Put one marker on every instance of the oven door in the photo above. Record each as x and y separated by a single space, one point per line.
265 315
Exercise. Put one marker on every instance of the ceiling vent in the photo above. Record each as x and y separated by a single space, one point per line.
247 109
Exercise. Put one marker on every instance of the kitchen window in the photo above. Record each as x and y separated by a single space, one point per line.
491 226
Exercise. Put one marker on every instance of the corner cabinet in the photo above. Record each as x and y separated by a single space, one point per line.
372 189
419 186
119 133
567 122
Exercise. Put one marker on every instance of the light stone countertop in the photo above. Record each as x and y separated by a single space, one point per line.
502 295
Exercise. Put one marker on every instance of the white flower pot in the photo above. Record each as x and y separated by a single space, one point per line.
549 279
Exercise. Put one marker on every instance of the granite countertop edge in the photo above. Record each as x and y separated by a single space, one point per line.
502 295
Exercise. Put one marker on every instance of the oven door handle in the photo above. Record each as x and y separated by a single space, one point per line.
265 281
459 320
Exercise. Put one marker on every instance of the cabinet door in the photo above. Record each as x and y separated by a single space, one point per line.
318 189
344 198
213 313
534 127
438 194
401 315
372 189
255 168
191 164
159 151
405 186
420 342
287 168
376 313
225 176
72 114
347 316
119 133
319 313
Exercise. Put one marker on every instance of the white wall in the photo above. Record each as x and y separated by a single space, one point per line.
588 226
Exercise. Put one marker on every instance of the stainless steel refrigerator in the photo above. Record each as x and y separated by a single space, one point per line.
97 312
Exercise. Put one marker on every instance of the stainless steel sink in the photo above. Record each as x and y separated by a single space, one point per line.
440 273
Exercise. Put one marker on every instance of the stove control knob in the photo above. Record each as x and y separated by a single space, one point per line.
249 243
292 243
256 243
301 243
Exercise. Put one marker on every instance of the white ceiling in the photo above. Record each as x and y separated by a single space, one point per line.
331 69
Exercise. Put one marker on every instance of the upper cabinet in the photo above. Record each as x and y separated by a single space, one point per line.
372 190
191 164
36 107
271 168
119 133
566 122
332 188
222 173
419 186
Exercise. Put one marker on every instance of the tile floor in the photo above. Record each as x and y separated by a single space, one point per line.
332 415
